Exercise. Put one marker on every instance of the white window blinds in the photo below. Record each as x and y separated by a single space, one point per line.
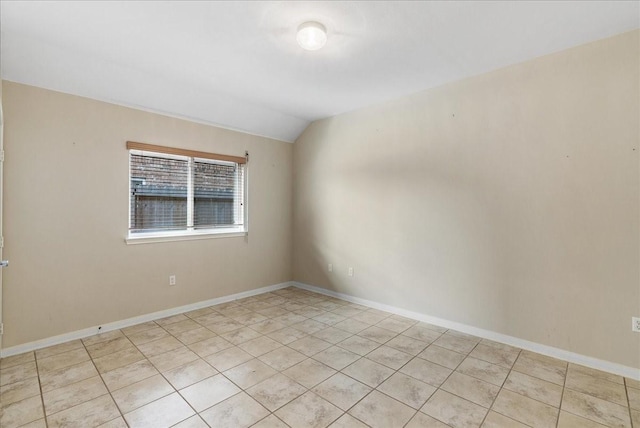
159 193
172 191
218 194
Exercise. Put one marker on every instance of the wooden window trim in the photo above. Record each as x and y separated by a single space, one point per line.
132 145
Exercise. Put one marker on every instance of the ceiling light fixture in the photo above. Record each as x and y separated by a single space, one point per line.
311 35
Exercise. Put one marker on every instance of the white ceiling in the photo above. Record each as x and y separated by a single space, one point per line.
237 65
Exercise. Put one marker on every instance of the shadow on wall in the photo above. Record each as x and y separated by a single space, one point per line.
409 226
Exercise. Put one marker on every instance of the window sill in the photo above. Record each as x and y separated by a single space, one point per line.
181 235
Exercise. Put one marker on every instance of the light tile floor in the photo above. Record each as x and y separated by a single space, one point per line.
292 358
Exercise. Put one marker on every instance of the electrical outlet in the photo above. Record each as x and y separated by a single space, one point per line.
350 272
635 324
330 267
172 280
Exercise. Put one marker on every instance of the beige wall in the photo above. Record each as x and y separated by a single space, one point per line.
507 201
65 217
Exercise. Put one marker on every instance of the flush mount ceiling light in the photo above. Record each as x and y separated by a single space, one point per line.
311 35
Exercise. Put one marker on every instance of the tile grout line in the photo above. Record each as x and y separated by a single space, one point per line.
308 334
175 390
564 388
278 371
346 412
452 372
104 383
382 344
502 387
69 384
400 368
311 358
468 355
238 386
439 388
161 374
626 392
436 388
395 371
169 351
44 410
365 356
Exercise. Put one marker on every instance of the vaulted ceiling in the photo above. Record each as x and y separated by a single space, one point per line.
237 65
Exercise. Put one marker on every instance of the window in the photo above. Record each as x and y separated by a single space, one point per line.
175 192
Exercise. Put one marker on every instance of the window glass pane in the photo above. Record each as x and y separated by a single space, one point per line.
158 193
217 194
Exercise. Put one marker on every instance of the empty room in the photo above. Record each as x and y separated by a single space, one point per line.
319 214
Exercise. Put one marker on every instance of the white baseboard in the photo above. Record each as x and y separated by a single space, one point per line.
607 366
80 334
572 357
